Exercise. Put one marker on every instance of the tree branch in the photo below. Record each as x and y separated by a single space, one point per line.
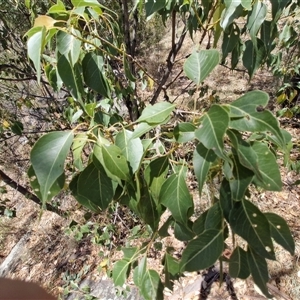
5 178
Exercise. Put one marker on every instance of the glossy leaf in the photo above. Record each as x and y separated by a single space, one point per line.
132 148
212 129
69 44
48 156
151 286
256 18
203 251
175 196
94 185
199 64
70 75
238 264
184 132
259 271
202 160
157 113
232 10
251 224
46 21
115 162
268 167
246 115
93 73
35 47
92 3
280 232
120 272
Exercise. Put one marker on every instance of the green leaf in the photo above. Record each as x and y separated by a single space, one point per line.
268 168
246 4
246 115
81 199
92 3
202 159
230 39
54 190
151 286
253 56
203 251
175 196
255 19
212 129
95 186
184 232
171 270
184 132
246 155
259 271
157 113
199 64
132 148
120 272
226 201
48 156
115 162
77 147
130 252
242 177
152 6
199 224
233 10
280 232
93 73
17 128
70 75
139 272
238 264
214 218
148 210
69 44
251 224
35 47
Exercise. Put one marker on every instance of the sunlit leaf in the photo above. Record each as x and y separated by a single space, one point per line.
212 129
120 272
139 271
175 196
77 147
157 113
199 64
247 115
132 148
151 286
202 160
251 224
268 167
48 156
46 21
184 132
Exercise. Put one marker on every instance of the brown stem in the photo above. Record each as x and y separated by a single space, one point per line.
5 178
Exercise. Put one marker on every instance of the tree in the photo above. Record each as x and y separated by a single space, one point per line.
90 51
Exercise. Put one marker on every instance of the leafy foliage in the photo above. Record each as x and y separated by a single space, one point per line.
135 163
